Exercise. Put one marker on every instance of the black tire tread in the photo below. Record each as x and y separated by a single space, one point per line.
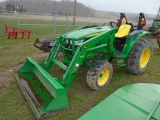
93 74
133 66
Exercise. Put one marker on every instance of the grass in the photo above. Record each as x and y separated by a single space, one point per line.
81 98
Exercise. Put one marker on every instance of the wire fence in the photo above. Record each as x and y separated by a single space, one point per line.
52 23
59 24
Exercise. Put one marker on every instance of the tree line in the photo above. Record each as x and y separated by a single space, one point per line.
13 7
64 7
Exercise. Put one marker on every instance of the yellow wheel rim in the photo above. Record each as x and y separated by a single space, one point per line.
103 77
145 57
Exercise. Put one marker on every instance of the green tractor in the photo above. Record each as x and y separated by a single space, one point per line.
93 46
155 26
155 30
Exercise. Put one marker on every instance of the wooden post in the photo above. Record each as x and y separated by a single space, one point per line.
158 15
74 17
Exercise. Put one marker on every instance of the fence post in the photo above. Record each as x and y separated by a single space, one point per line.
18 21
54 23
88 21
66 23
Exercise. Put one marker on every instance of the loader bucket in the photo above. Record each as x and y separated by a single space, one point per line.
44 44
46 96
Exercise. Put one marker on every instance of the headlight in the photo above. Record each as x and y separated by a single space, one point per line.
78 42
67 41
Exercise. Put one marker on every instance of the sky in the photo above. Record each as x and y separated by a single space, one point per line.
134 6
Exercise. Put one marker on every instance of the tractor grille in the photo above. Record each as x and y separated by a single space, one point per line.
68 45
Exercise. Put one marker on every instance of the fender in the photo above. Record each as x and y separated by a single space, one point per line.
132 39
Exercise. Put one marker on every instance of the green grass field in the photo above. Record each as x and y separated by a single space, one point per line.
13 52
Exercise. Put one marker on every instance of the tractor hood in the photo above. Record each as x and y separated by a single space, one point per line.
81 34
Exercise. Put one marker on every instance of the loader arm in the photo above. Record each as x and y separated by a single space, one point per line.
52 55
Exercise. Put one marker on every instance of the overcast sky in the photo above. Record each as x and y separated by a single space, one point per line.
135 6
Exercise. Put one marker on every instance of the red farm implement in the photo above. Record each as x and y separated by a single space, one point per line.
15 32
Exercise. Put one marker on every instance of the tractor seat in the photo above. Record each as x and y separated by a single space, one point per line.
123 31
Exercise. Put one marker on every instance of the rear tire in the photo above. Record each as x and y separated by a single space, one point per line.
140 56
158 41
99 75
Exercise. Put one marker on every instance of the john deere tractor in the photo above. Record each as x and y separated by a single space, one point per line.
155 30
93 46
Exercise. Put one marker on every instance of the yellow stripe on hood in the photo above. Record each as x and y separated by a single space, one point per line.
95 34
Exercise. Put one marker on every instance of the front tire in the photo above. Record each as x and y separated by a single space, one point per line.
140 56
99 75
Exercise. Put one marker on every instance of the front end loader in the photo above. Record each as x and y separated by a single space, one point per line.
93 46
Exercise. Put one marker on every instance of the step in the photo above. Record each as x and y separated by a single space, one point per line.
118 54
120 62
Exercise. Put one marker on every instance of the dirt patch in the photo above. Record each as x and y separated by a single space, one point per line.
7 74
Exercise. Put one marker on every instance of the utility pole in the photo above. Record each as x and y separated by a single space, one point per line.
54 17
74 17
158 15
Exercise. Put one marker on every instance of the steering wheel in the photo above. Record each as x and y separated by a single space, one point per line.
113 24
